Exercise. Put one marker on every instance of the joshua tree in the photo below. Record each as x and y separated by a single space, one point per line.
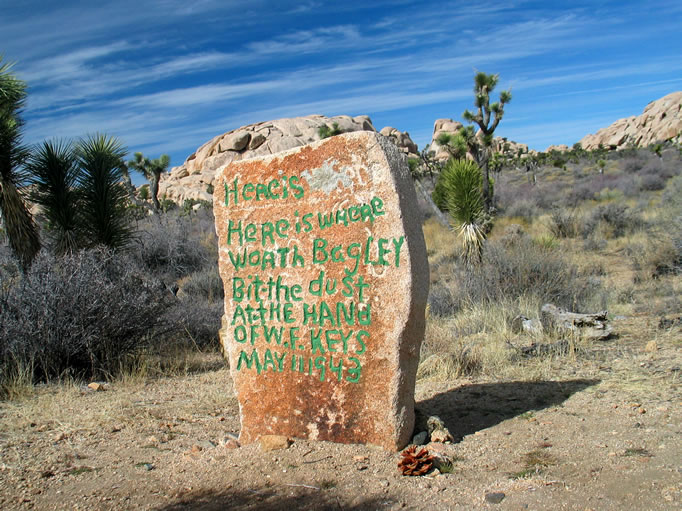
103 198
21 229
151 170
484 84
455 144
54 176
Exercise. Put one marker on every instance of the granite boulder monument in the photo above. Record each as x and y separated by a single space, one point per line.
326 278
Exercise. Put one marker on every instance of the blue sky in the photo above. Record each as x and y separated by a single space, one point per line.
167 75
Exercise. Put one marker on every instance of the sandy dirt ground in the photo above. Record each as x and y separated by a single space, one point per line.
600 431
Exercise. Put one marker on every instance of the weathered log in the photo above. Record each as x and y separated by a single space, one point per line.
590 326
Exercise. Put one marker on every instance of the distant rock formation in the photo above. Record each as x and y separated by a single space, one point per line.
194 178
562 148
660 121
450 127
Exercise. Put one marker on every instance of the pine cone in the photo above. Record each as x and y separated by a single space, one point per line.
415 463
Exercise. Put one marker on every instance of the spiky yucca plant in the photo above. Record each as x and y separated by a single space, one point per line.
103 198
19 225
462 181
54 176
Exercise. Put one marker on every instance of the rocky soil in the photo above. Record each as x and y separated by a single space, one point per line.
599 430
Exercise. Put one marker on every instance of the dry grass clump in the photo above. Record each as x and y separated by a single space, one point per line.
441 243
471 307
468 343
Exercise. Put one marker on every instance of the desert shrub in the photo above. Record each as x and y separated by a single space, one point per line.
181 250
594 244
205 284
617 218
564 223
630 185
189 204
81 314
325 131
167 205
546 241
662 168
171 245
580 192
662 252
672 218
608 195
441 300
525 209
651 182
559 162
512 234
522 269
548 195
633 164
196 320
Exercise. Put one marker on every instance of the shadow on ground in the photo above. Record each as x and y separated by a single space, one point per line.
270 499
471 408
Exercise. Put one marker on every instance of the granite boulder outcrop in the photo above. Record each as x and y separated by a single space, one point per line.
194 178
661 121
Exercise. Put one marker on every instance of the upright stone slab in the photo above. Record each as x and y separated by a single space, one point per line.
324 265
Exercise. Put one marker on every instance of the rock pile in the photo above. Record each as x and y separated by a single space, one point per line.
660 121
402 140
194 178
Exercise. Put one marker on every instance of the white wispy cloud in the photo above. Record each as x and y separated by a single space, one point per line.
169 73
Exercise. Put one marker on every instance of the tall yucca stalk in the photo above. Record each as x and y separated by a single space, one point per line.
54 176
103 198
21 229
462 180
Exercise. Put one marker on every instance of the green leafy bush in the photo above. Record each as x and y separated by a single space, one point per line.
325 131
